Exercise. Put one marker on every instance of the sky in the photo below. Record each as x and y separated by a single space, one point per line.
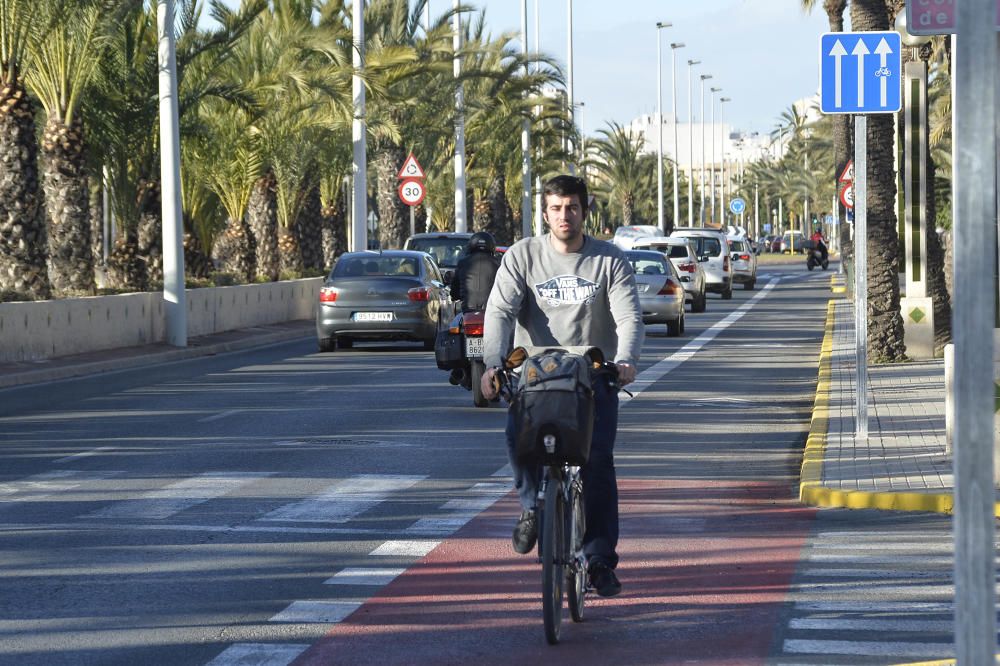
764 54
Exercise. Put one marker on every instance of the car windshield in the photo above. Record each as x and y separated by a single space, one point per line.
704 245
375 265
446 251
647 265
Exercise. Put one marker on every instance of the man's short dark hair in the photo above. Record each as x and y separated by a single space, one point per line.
566 186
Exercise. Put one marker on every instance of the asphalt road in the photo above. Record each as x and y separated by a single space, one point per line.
277 505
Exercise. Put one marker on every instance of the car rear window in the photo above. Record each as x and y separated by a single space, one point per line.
650 266
678 252
446 251
737 246
705 245
376 266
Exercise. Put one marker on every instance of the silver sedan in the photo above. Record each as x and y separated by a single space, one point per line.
390 295
661 293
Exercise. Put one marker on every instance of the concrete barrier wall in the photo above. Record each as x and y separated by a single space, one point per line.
47 329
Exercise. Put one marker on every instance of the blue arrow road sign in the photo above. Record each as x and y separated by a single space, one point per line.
737 206
860 72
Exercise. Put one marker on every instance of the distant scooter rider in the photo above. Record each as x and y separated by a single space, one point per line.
476 272
820 242
473 281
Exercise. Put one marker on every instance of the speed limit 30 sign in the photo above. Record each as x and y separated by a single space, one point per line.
412 191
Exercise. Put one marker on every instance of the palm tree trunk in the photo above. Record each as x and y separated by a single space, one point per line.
885 325
334 230
262 217
67 208
628 209
394 215
23 240
233 251
150 232
310 229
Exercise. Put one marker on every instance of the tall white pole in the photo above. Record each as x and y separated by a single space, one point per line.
974 206
677 160
525 137
427 17
711 164
569 84
539 202
691 64
359 167
722 151
174 296
861 276
659 133
460 206
704 77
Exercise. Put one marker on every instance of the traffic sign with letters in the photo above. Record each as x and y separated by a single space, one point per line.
848 175
847 195
861 72
411 168
934 17
412 191
737 206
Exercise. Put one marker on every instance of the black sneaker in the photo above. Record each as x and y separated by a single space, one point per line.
525 533
604 581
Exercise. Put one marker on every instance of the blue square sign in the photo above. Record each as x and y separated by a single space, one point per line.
860 72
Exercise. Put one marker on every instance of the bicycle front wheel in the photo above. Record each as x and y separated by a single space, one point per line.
576 570
553 548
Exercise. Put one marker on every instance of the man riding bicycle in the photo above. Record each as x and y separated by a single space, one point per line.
569 290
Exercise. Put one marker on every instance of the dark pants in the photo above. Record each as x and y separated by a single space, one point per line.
600 486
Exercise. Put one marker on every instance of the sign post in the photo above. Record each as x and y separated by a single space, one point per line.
411 188
860 73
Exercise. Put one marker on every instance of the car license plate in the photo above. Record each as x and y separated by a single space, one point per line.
372 316
474 347
642 288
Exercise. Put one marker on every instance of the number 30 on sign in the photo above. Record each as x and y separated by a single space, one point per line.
412 191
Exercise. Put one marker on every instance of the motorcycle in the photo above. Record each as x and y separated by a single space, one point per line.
460 350
816 258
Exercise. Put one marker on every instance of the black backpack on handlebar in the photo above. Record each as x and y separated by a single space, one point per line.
554 396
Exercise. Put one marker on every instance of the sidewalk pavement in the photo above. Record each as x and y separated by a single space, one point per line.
903 465
65 367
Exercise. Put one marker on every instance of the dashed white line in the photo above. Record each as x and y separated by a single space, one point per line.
221 415
364 576
316 612
872 624
344 500
259 654
870 648
83 454
176 497
411 548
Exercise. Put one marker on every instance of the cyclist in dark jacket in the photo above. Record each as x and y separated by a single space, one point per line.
476 272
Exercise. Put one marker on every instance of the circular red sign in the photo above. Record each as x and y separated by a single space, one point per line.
412 191
847 195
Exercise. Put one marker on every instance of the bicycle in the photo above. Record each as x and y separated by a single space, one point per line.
563 525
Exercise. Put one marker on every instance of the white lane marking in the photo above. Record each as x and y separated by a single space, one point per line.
83 454
259 654
504 471
865 559
414 548
221 415
870 648
472 505
656 372
10 528
439 525
316 612
878 573
871 624
888 537
42 486
875 607
364 576
344 500
492 487
177 497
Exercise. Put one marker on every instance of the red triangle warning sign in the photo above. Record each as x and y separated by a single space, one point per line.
411 168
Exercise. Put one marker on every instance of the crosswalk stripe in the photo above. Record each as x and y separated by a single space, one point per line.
176 497
344 500
865 560
316 612
925 547
259 654
413 548
44 485
872 624
877 573
439 525
869 648
364 576
875 606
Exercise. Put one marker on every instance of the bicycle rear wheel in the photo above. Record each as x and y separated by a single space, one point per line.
576 572
553 549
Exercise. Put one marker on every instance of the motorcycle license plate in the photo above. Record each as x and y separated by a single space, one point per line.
474 347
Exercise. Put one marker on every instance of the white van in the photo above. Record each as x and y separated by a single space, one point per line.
681 253
625 236
713 252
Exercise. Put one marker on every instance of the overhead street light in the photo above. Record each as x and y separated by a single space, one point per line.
673 82
691 64
659 128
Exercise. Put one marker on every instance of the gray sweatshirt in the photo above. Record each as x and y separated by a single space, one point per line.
574 301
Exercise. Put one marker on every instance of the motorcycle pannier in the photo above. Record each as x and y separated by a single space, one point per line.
554 397
448 350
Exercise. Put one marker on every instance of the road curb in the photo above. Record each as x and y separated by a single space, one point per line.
811 489
41 375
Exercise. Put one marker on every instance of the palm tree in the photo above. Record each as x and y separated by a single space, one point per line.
885 325
22 224
620 168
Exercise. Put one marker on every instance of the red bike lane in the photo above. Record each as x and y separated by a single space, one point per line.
705 564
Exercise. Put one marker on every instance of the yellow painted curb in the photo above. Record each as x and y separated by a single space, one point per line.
834 287
940 662
811 490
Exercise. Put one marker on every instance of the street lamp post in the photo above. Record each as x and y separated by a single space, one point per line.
691 63
704 77
359 168
569 82
712 164
460 216
659 128
525 137
722 149
673 84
